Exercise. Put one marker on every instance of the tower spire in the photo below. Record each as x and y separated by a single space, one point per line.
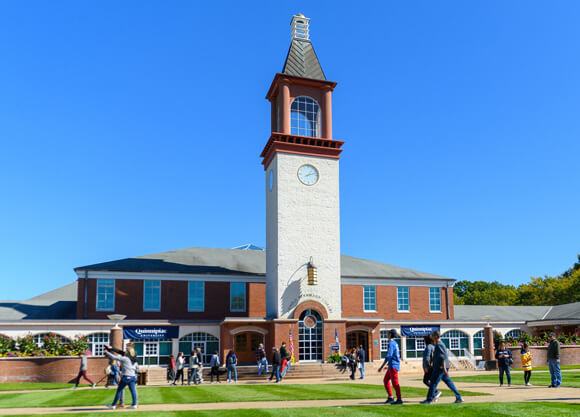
302 60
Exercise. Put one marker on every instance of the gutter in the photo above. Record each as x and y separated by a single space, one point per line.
86 294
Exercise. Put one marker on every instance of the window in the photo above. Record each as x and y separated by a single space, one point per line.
105 294
206 342
402 299
196 296
153 351
237 296
478 343
39 339
415 345
385 343
435 300
304 117
456 341
97 342
151 295
513 334
370 297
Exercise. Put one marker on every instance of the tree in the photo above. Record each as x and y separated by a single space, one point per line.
484 293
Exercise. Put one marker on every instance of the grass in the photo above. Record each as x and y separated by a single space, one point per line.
545 368
208 393
569 379
27 386
438 410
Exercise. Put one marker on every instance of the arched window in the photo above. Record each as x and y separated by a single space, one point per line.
456 341
513 334
310 337
304 117
39 338
478 343
206 342
97 342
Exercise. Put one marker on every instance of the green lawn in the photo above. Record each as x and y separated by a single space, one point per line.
25 386
569 379
545 368
436 410
208 393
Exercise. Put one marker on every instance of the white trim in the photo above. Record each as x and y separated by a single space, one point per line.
245 329
547 312
359 328
172 277
369 311
394 282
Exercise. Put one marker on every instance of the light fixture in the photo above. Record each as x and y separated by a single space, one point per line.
312 273
116 318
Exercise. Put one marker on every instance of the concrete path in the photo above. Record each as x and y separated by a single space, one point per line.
516 393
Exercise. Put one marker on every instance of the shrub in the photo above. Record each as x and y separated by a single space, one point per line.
78 345
334 358
26 345
6 345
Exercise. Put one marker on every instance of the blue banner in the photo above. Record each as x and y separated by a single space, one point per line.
158 332
418 331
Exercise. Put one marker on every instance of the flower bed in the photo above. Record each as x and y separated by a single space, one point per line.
51 345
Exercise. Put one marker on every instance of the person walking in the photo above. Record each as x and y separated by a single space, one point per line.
428 360
276 361
504 360
526 357
114 374
393 360
215 364
554 361
285 360
261 360
361 357
231 362
179 366
129 366
171 369
440 372
83 371
353 362
192 368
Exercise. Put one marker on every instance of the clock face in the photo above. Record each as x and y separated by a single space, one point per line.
308 174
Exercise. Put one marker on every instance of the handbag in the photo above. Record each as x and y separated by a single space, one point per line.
359 365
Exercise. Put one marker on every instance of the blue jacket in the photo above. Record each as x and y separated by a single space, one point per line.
393 358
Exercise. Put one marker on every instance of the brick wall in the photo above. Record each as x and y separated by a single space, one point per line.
57 369
386 298
569 355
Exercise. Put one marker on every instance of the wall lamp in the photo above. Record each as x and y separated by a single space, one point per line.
312 273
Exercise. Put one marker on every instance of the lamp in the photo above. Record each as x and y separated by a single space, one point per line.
116 318
312 273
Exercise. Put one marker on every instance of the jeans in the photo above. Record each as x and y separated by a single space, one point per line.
178 375
276 372
215 370
193 375
437 376
130 381
362 370
232 368
286 369
555 373
505 369
527 376
84 375
263 364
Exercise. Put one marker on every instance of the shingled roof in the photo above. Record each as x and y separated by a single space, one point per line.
302 61
210 261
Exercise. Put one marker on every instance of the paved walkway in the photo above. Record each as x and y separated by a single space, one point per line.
517 393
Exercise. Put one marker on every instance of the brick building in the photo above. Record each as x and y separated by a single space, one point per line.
299 288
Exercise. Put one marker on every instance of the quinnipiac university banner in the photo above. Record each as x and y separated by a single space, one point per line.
418 331
157 332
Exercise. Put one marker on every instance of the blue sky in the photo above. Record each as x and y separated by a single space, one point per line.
135 127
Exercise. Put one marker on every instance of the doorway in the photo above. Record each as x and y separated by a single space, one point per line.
357 338
310 336
245 346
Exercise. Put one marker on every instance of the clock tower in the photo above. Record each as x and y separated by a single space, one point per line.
301 162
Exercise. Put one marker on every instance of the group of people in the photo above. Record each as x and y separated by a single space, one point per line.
176 368
281 361
435 367
505 360
354 359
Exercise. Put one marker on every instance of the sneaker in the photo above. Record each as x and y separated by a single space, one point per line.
132 407
398 402
437 395
528 384
75 386
459 400
551 386
500 385
111 406
509 385
93 385
426 402
390 400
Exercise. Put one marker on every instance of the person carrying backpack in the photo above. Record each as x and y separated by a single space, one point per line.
231 362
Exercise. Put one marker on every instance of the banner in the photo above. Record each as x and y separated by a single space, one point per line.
159 332
418 331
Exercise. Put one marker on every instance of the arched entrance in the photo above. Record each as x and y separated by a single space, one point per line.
357 338
245 346
310 337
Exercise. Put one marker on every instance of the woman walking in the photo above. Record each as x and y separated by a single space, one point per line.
179 365
526 357
231 362
504 360
83 371
215 367
129 365
171 369
353 362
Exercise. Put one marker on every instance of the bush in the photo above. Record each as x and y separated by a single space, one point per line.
78 345
26 346
6 345
334 358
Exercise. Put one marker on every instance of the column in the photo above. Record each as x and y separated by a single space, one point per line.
116 337
327 114
488 355
403 348
284 108
470 344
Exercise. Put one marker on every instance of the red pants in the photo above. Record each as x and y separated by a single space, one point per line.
392 375
84 375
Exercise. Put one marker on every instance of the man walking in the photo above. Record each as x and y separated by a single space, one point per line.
393 359
554 361
285 357
276 360
361 357
440 372
83 371
261 359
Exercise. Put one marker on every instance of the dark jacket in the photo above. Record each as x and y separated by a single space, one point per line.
554 350
428 356
284 353
440 358
276 359
503 362
361 355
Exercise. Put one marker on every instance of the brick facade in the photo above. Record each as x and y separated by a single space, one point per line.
58 369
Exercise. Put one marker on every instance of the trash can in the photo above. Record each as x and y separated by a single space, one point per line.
142 378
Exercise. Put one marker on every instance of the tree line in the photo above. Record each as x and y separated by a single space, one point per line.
547 290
